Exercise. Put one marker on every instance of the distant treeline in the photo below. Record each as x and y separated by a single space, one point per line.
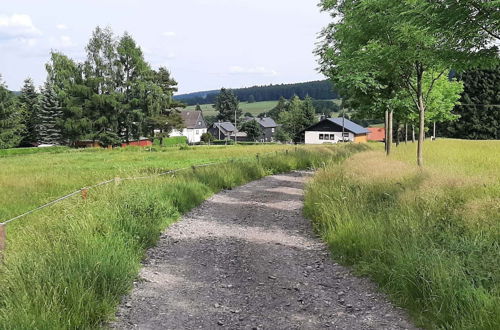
318 90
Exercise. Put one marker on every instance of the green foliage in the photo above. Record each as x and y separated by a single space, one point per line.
28 99
49 115
479 110
11 119
253 129
251 99
298 116
207 137
428 238
68 266
227 105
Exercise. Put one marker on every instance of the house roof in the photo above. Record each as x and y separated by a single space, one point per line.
193 119
348 125
376 134
266 122
225 126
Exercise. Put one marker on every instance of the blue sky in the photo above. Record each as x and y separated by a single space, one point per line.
207 44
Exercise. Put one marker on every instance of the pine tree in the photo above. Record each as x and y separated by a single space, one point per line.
227 104
28 100
309 112
480 107
49 116
11 126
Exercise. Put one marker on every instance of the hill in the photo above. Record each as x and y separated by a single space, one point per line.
319 90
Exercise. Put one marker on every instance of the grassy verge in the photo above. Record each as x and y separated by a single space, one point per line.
429 238
68 266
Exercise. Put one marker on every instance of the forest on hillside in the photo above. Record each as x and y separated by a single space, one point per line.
318 90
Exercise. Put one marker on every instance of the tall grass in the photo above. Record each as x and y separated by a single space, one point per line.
68 266
430 238
29 180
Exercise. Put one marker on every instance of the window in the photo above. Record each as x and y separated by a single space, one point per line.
327 137
272 130
346 134
332 137
199 123
321 136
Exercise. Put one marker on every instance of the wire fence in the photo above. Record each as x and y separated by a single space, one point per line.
83 191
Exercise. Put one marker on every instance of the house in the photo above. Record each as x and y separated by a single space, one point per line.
194 126
141 142
226 131
329 130
376 134
268 126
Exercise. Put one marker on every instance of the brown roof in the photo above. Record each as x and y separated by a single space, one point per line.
193 119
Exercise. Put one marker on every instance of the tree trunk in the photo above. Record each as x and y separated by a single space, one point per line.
386 128
406 133
434 131
421 116
390 132
398 134
413 133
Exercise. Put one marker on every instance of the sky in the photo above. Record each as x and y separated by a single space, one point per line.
206 44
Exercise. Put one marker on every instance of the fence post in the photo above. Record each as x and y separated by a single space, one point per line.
84 193
3 239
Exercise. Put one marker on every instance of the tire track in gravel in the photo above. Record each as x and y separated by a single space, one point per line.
248 259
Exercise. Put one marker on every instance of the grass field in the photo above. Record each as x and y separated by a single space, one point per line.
255 108
67 266
29 180
430 238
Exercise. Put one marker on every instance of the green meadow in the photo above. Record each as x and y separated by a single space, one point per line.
430 238
67 266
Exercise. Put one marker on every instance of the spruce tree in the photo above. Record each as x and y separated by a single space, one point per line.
11 126
49 116
28 100
226 103
479 110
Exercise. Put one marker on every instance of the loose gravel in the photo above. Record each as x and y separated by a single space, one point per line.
248 259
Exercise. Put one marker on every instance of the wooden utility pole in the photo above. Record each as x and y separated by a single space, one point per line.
235 129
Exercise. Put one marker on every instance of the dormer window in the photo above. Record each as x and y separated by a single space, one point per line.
199 123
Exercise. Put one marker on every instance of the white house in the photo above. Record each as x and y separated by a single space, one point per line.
329 130
195 125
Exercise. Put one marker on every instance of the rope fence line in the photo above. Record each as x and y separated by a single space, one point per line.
83 191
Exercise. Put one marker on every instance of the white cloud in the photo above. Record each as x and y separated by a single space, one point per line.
61 27
17 26
258 70
169 34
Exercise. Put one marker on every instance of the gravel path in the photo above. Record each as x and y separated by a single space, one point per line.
248 259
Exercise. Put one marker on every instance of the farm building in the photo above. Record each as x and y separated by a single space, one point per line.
225 131
329 130
142 142
195 125
376 134
268 126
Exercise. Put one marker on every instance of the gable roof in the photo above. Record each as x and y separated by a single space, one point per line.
193 119
266 122
348 125
225 126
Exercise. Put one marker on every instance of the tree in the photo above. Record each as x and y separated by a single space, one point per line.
207 137
11 116
198 107
28 100
298 116
479 109
49 116
251 99
392 46
165 123
227 104
278 109
253 129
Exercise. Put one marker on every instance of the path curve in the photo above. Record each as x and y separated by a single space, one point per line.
248 259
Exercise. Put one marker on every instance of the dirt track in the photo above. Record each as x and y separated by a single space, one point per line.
248 259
